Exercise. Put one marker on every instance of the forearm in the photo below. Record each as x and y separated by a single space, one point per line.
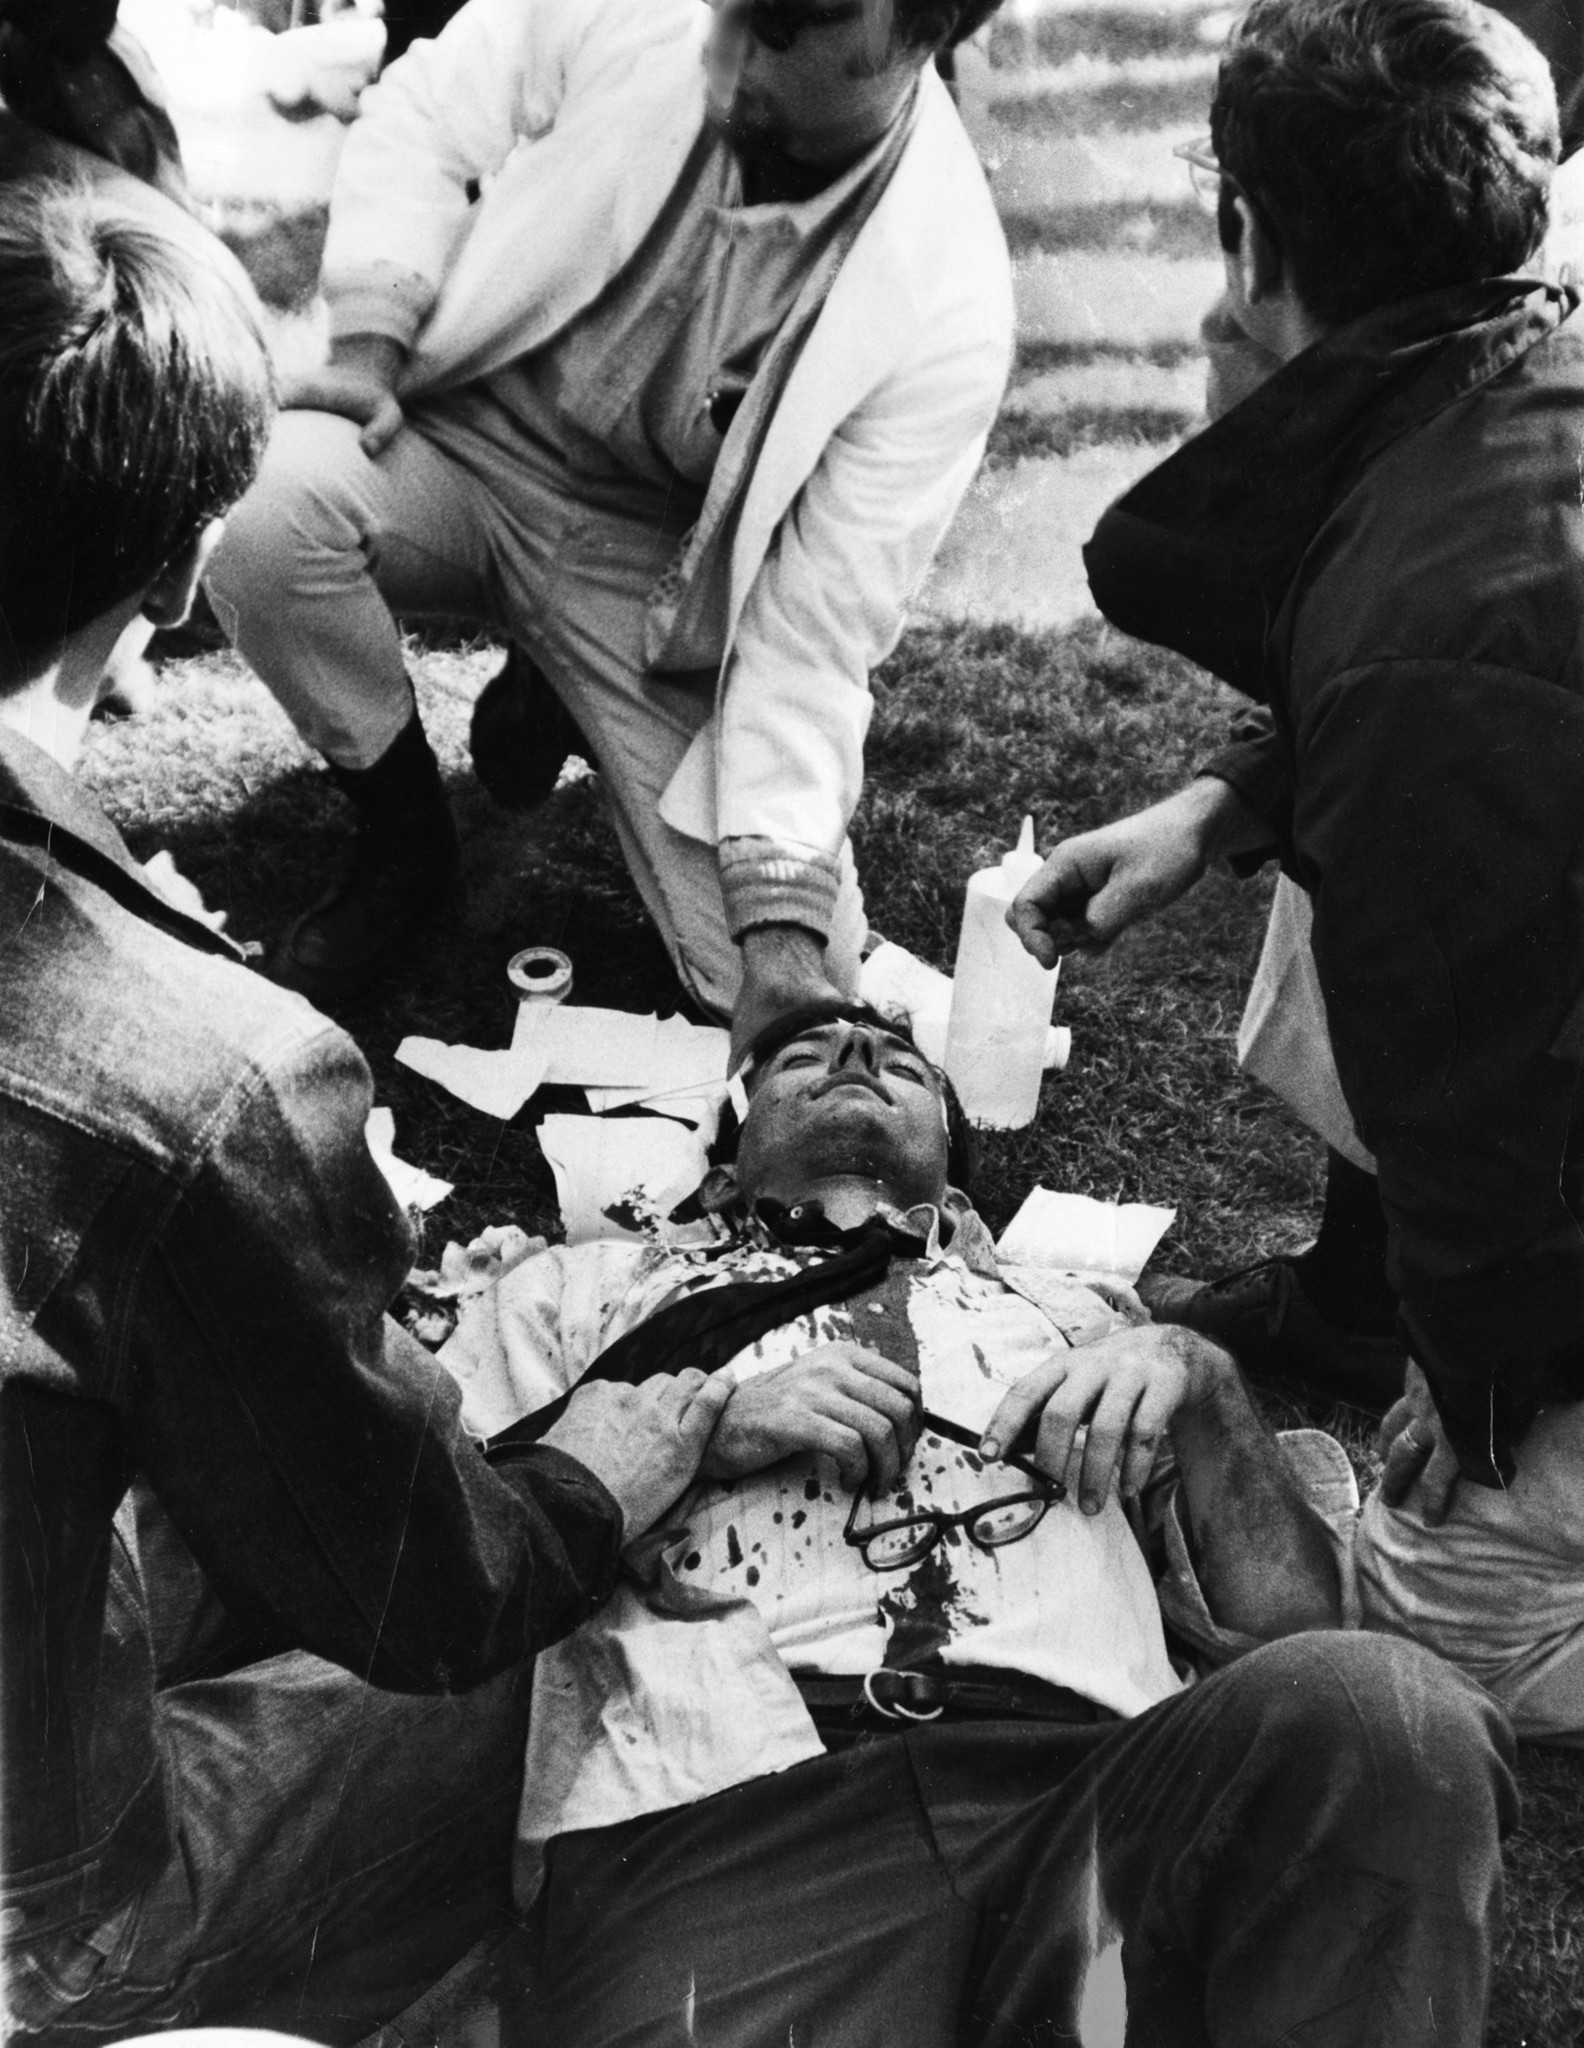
783 951
1264 1556
828 602
441 121
784 968
325 1483
311 1452
1227 823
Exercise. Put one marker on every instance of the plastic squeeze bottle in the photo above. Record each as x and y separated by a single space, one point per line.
1001 1000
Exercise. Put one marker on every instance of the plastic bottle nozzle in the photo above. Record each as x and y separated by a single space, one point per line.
1021 863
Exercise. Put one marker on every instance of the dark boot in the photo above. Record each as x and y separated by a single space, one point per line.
1322 1323
403 869
521 735
1263 1315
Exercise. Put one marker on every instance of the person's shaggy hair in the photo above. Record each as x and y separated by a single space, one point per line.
1392 147
135 397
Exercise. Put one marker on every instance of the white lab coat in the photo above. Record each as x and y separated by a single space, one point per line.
576 116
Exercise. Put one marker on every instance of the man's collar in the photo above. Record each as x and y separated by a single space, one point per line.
1199 554
928 1231
34 782
42 805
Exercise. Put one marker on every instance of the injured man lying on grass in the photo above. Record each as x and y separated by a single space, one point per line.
931 1714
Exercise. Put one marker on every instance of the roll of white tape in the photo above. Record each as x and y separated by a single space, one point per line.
540 974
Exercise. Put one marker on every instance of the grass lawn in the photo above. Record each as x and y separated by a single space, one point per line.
976 723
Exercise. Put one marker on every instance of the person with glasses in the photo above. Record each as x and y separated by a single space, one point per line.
1383 546
665 339
888 1734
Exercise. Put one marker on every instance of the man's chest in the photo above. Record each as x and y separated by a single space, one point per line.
791 1539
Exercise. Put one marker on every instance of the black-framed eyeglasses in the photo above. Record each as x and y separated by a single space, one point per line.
1204 172
989 1524
777 24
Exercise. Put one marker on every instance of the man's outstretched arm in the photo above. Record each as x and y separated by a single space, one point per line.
1103 1411
312 1453
1096 884
1265 1558
824 611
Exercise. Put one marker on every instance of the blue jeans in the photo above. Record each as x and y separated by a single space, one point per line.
336 1848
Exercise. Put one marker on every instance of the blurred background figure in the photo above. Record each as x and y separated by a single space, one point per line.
71 74
71 70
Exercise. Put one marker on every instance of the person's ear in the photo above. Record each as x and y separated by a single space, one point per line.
719 1192
169 598
1258 255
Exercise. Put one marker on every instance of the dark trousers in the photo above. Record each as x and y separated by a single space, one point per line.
1302 1850
333 1848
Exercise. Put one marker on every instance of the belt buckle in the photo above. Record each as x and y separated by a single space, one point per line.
908 1695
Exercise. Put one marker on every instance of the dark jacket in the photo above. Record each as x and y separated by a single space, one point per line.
196 1252
1385 544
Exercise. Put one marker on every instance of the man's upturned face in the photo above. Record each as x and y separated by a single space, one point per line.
845 1100
825 97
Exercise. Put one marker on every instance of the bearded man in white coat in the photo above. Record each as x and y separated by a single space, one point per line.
666 338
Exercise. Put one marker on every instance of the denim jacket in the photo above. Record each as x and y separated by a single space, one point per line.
196 1252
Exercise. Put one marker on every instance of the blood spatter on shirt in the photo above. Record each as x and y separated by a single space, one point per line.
920 1612
753 1575
734 1556
811 1487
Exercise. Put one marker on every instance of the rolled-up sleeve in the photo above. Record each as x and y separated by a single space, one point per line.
1257 765
445 116
826 609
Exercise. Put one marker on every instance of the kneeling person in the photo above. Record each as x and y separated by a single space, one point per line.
1384 543
203 1802
681 405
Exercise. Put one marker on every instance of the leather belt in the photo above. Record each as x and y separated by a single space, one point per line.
893 1699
